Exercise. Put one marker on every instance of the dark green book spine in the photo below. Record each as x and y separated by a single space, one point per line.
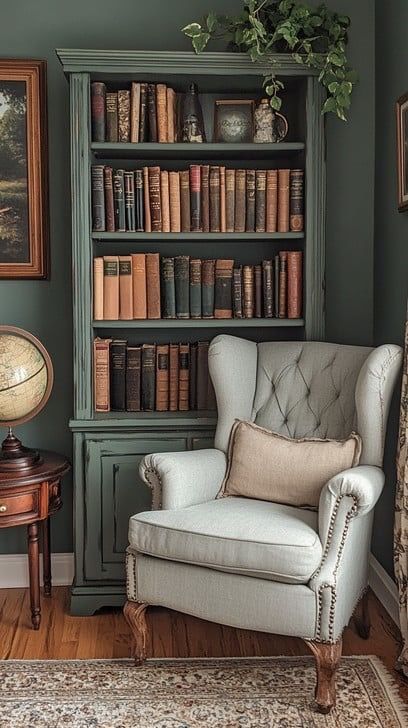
119 199
267 288
207 288
151 112
133 370
139 201
237 292
250 201
276 266
112 116
130 201
195 288
117 368
143 121
182 281
148 377
193 377
168 288
98 197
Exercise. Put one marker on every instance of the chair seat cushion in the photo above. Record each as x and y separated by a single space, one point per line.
239 535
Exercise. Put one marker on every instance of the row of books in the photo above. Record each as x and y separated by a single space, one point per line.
203 198
149 286
144 113
151 377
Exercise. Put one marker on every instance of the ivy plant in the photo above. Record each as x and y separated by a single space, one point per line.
314 36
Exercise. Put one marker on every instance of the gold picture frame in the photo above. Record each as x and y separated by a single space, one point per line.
402 152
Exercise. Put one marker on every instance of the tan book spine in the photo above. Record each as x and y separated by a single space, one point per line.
295 292
248 285
125 288
171 115
139 286
283 309
223 203
153 285
271 200
184 377
283 200
111 287
134 112
162 377
146 201
165 200
174 377
229 200
161 110
175 210
101 376
98 288
185 200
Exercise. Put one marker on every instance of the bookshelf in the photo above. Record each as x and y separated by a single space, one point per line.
108 447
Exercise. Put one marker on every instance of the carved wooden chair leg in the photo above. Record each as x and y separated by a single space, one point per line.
135 615
361 618
327 661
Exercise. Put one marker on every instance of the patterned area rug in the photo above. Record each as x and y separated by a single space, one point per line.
232 693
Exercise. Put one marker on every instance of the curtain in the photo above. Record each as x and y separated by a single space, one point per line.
401 514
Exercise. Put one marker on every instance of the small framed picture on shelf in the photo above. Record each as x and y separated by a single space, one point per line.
402 152
234 121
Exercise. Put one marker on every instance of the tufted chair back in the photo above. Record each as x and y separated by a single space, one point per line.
305 389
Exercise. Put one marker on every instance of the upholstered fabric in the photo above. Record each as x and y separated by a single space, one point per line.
245 536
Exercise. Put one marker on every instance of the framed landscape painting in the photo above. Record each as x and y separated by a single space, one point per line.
23 170
402 152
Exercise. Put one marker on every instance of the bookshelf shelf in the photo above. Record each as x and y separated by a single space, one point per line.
144 420
149 150
254 323
202 237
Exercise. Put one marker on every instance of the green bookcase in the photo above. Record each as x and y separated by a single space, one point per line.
108 448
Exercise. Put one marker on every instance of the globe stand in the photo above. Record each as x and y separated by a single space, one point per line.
14 456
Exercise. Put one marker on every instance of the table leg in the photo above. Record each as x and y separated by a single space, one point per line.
46 557
34 570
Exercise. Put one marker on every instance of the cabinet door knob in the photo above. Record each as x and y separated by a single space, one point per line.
3 509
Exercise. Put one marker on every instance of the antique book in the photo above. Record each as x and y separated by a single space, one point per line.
195 288
117 373
109 202
151 112
276 275
240 200
174 377
295 275
146 201
202 375
139 286
101 376
250 201
192 394
195 197
98 289
208 288
283 200
125 287
139 201
119 199
182 282
185 200
162 377
258 290
296 200
123 115
223 289
205 198
267 271
237 292
111 287
215 200
98 114
168 287
148 384
248 289
283 256
184 377
98 198
153 285
175 212
161 111
133 377
165 200
134 111
229 200
271 200
171 115
130 209
143 120
260 200
112 120
223 211
155 199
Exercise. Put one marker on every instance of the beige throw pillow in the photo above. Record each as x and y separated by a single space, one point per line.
267 466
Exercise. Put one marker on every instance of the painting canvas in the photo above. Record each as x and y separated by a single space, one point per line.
402 152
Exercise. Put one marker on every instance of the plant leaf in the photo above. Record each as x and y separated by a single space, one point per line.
200 41
329 105
192 30
212 21
275 103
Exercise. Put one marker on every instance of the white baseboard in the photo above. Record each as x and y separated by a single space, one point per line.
14 570
384 588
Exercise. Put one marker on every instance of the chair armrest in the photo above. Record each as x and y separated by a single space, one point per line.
181 479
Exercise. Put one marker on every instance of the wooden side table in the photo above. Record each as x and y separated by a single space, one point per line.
30 499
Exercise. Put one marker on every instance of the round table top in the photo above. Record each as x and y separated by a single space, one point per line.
51 465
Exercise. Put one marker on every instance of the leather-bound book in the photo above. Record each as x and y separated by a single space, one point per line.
276 274
283 279
250 201
125 288
283 200
123 115
165 200
168 288
109 202
133 377
98 198
195 288
271 200
185 200
240 200
258 291
248 286
111 287
143 120
139 201
101 376
134 112
161 110
139 286
117 371
112 121
119 199
202 375
184 377
98 289
182 281
192 394
130 208
296 200
162 377
208 288
155 199
175 211
295 276
223 289
171 115
151 112
229 200
195 197
267 271
146 201
98 111
153 285
215 200
223 210
148 384
237 292
260 200
174 377
205 198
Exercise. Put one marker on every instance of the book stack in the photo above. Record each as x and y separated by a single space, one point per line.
151 377
204 198
145 112
147 286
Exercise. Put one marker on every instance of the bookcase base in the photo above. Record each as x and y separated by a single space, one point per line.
86 600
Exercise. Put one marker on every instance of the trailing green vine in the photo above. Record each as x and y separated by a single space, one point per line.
314 36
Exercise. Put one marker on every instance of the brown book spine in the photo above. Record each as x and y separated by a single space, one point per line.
283 200
111 287
296 221
283 256
260 200
258 291
143 113
98 288
240 200
133 378
223 202
124 116
174 377
295 276
175 210
205 198
162 377
267 271
134 112
101 375
171 115
237 292
215 200
153 285
223 289
155 200
112 116
146 200
184 377
208 288
229 200
98 111
249 291
109 204
165 200
139 286
125 287
195 197
185 200
202 375
161 108
271 200
250 201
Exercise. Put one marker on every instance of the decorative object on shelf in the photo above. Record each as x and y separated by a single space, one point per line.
191 117
26 378
269 126
234 121
23 169
314 36
402 152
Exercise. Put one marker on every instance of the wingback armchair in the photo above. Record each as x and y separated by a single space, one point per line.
255 564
